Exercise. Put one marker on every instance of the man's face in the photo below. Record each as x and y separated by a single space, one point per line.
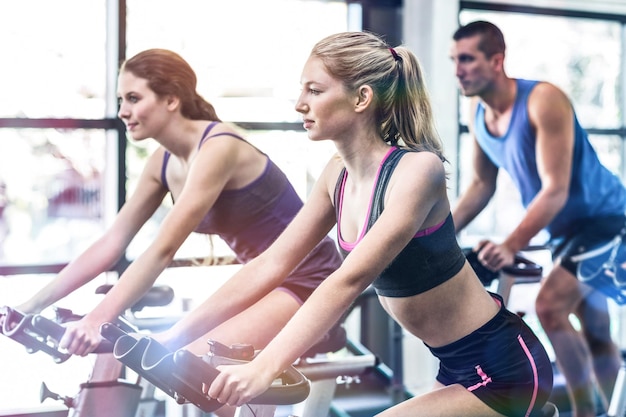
473 69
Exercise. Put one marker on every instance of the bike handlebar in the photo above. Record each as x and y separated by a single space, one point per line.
181 374
56 331
39 334
19 327
521 267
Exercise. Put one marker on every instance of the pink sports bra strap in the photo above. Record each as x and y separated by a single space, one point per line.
429 230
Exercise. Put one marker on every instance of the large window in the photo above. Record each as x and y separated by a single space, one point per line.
50 193
248 60
51 179
248 55
53 58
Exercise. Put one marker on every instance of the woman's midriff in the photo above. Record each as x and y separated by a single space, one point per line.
445 313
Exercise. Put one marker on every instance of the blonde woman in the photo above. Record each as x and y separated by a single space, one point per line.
386 192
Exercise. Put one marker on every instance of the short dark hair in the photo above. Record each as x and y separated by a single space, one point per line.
491 37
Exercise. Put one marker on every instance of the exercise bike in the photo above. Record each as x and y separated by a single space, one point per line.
181 374
309 382
120 397
40 334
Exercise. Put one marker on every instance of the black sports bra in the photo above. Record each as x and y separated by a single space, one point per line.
432 257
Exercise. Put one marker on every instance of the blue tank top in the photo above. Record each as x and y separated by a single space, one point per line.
431 258
249 219
594 190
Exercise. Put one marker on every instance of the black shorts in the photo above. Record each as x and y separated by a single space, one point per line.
502 363
585 233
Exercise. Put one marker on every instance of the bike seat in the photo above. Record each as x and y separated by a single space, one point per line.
157 296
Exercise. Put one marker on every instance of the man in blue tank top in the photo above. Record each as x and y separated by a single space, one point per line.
529 129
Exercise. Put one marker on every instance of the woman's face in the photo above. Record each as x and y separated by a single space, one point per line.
327 108
141 110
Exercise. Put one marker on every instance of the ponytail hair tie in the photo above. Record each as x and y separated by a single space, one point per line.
394 54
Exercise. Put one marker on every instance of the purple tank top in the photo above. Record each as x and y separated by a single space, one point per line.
249 219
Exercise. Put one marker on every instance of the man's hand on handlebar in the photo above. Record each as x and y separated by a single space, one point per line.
238 384
494 256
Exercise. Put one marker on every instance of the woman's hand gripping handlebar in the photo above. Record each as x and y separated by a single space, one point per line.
38 333
181 374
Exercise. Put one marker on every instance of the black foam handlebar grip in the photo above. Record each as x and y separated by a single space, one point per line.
47 327
294 387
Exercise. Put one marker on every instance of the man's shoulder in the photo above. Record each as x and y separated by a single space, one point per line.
543 86
546 92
